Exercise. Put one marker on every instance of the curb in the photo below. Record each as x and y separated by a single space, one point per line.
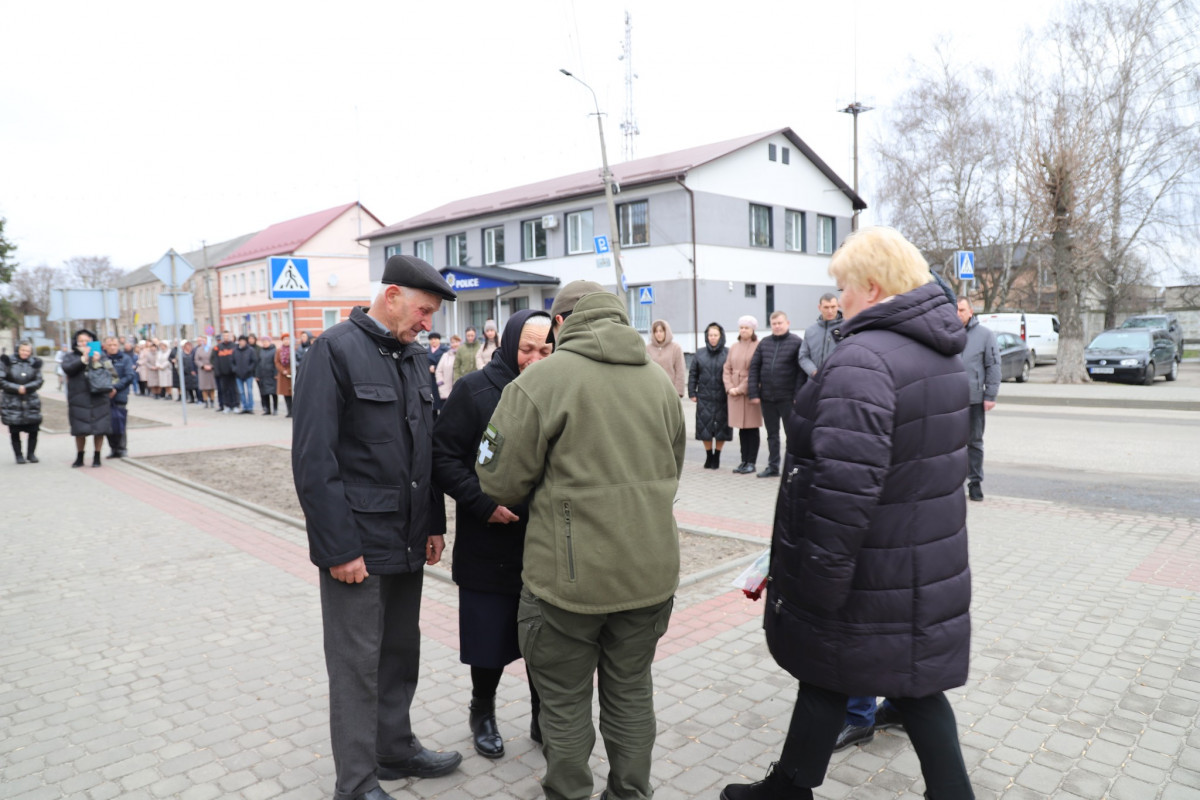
1100 402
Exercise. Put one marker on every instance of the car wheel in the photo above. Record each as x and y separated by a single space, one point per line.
1174 373
1032 356
1149 379
1024 373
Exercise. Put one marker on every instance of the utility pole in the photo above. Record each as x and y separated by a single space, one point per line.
855 108
606 175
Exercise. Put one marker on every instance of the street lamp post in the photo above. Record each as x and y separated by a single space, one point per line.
855 108
614 236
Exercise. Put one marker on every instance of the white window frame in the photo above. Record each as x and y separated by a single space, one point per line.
626 222
529 244
639 315
794 239
423 249
392 250
490 258
456 256
577 241
826 233
758 215
330 313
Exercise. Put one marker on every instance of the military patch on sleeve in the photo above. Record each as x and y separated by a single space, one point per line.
489 445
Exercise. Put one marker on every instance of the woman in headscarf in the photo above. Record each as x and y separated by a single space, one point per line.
89 411
20 406
743 415
870 585
666 352
489 538
706 387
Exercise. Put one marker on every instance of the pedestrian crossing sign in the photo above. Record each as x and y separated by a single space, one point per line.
289 279
646 295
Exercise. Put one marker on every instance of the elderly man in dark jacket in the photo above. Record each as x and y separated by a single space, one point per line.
362 462
119 398
870 587
774 377
222 363
489 539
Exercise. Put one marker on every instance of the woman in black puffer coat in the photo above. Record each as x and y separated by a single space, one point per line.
90 414
706 387
870 589
489 539
20 406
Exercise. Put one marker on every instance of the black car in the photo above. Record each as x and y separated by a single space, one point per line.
1167 322
1132 354
1015 360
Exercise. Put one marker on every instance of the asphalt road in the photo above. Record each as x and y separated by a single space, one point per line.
1147 461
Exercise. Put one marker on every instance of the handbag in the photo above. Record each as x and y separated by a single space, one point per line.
99 380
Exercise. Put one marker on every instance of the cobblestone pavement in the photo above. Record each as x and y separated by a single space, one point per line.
160 642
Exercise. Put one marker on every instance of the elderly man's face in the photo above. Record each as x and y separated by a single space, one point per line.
410 311
112 346
533 346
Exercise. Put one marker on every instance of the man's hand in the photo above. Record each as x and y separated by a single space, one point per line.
695 399
755 401
112 393
433 549
502 516
988 405
351 572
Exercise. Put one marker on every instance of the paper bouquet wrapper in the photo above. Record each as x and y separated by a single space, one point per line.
753 579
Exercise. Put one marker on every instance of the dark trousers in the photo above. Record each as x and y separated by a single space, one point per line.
14 433
820 714
269 401
749 439
774 412
227 392
118 413
372 654
975 445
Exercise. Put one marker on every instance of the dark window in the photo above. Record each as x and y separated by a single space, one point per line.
786 156
771 152
634 221
760 226
751 290
770 300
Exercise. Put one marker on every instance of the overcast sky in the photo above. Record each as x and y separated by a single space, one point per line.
127 128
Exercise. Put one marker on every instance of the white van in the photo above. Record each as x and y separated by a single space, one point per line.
1038 331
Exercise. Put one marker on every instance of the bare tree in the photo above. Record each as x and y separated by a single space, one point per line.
7 265
949 173
92 272
31 290
1141 56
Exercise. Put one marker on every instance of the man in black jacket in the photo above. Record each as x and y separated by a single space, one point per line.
119 412
222 361
774 378
362 462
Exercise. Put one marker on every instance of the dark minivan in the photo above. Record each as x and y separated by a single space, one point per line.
1132 354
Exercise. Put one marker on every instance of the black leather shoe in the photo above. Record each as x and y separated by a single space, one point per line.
32 459
887 716
488 741
974 491
853 734
425 764
772 787
745 468
769 473
375 794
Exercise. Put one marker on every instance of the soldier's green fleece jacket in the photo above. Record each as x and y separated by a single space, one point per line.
594 437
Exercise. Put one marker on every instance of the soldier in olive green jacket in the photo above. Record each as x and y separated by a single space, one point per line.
594 436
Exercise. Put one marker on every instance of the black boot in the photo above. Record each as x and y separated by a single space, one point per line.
20 458
708 459
716 459
96 459
773 787
29 456
488 742
78 460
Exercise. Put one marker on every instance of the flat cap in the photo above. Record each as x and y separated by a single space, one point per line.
416 274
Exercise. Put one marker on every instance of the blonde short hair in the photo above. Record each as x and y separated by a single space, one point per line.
881 256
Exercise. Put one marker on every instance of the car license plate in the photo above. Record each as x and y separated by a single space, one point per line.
1101 370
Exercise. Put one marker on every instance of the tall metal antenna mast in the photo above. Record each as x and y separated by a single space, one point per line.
629 128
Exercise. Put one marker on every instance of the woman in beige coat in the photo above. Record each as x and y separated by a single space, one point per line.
667 353
743 414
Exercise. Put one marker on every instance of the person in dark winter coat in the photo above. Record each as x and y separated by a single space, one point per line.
90 413
706 387
222 363
870 587
981 358
191 375
119 398
436 351
245 364
20 405
265 373
819 338
489 538
774 378
362 443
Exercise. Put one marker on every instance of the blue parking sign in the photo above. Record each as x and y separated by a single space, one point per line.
600 243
